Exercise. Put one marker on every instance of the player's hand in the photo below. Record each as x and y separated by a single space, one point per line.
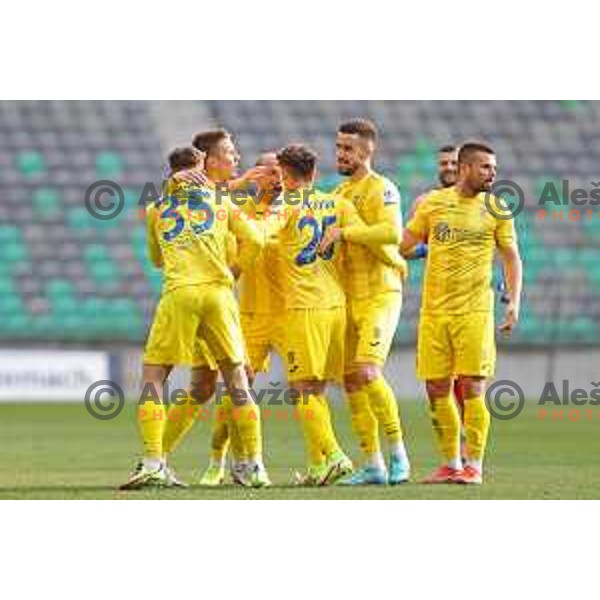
191 176
330 237
511 317
250 175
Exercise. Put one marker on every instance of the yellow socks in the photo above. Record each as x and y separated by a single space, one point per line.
364 423
219 442
246 423
476 425
315 420
446 426
179 421
151 421
329 433
385 408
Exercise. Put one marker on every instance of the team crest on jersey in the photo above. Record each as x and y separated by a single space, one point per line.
442 232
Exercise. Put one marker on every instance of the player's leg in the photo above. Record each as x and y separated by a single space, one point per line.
255 331
182 417
376 321
222 331
151 418
169 343
364 422
476 428
476 360
435 366
315 356
459 398
246 422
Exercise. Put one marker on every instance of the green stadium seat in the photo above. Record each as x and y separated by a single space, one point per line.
80 218
18 325
59 288
100 265
11 303
7 286
425 149
31 163
13 248
109 165
46 202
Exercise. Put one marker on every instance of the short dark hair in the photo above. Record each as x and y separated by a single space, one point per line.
184 158
467 150
206 141
299 158
446 148
362 127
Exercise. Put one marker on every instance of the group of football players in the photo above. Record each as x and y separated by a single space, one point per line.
265 262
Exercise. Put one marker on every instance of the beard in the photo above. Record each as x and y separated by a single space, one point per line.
346 170
447 179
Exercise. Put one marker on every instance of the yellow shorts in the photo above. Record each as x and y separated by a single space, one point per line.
456 345
372 323
262 333
202 356
314 344
192 320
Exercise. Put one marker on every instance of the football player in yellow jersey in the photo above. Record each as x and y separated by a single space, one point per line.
315 313
222 159
187 234
374 292
456 327
260 296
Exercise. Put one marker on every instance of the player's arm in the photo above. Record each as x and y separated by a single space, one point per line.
152 243
389 228
416 230
512 265
353 229
247 235
246 178
420 249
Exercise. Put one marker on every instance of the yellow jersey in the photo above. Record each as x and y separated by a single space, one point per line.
261 288
313 279
462 236
187 236
377 200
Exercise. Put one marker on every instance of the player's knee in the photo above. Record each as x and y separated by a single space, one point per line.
438 388
308 387
471 387
366 374
203 384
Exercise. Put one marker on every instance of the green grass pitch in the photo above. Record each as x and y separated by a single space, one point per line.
53 451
